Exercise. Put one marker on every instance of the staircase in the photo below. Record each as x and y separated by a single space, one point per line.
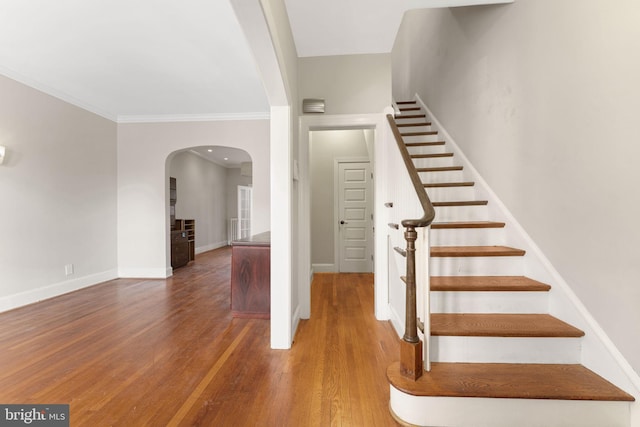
498 358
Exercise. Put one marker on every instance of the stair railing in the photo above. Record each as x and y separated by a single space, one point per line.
413 358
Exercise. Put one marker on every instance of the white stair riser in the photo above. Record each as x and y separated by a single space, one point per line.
447 194
485 412
505 350
489 302
445 176
477 266
419 127
422 138
427 149
434 162
461 213
467 237
415 121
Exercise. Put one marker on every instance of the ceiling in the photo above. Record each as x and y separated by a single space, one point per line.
347 27
160 60
133 60
224 156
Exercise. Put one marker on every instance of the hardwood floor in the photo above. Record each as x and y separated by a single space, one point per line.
167 352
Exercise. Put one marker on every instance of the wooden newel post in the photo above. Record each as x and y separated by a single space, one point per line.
411 346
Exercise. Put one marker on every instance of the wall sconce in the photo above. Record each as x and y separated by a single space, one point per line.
2 153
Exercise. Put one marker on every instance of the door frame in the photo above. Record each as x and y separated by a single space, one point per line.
304 273
336 206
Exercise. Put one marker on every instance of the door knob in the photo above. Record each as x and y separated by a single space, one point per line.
343 222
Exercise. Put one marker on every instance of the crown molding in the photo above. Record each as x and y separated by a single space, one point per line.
167 118
48 90
158 118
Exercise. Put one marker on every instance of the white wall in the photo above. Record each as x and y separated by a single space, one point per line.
265 24
145 151
325 147
58 196
289 269
349 84
542 96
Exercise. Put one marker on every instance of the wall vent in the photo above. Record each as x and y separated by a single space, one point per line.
312 105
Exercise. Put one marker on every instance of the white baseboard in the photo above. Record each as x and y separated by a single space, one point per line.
21 299
145 273
295 321
324 268
220 244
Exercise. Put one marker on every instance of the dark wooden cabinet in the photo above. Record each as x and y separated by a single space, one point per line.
251 277
183 242
179 248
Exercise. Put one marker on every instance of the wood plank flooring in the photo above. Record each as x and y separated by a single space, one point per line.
167 352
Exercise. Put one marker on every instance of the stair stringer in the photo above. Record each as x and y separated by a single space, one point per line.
500 412
598 352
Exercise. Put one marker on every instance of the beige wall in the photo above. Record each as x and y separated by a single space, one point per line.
325 148
349 84
543 97
58 196
145 151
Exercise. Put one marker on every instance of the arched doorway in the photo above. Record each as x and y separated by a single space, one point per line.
204 201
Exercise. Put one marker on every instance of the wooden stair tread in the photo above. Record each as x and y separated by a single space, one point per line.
405 102
422 133
501 325
407 125
474 251
510 381
424 144
487 284
408 108
430 156
411 116
461 203
467 224
448 184
440 169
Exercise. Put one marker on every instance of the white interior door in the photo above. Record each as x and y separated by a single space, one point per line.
355 217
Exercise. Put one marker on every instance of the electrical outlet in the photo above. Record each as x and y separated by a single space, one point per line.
68 269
